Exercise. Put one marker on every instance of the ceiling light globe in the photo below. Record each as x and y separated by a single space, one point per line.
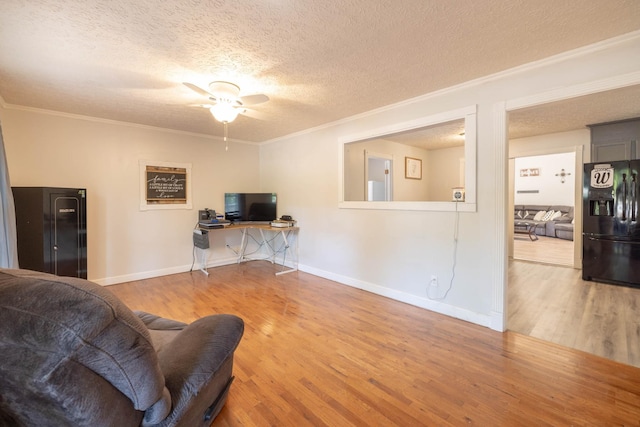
224 113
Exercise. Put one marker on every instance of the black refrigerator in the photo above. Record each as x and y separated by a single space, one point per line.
51 226
611 236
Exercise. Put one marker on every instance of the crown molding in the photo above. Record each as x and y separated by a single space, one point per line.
575 91
626 80
564 56
574 53
118 123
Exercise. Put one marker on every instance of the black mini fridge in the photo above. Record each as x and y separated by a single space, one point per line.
52 229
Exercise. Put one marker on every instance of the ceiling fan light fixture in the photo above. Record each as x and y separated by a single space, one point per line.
224 112
224 90
226 99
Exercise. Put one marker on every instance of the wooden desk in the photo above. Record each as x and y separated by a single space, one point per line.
267 234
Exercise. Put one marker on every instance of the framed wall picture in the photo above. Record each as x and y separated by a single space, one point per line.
412 168
165 185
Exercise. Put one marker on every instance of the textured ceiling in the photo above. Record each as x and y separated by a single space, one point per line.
442 135
576 113
318 61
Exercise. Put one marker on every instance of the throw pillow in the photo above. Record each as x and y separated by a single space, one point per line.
556 215
539 215
519 214
525 215
547 216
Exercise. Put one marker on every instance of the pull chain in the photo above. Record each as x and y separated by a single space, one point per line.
226 143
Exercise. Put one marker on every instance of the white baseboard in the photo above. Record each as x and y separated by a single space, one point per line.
211 263
494 321
422 302
113 280
497 322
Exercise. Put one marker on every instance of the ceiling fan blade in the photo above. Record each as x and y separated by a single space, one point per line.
253 99
197 89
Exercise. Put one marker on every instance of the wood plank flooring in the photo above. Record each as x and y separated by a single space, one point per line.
548 250
553 303
317 353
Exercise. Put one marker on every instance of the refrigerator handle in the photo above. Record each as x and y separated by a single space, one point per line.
633 197
624 196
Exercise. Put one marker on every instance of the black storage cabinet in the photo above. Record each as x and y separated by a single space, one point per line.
52 229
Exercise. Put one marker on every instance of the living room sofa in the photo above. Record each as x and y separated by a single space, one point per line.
557 220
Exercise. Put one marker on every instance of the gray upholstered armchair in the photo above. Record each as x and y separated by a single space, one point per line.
72 354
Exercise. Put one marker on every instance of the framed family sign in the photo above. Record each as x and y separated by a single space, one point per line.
165 185
412 168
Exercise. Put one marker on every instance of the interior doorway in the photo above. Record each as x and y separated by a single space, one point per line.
379 177
544 186
550 302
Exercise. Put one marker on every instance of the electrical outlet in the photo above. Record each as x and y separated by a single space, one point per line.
434 280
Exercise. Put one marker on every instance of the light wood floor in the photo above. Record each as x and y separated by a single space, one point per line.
553 303
548 250
317 353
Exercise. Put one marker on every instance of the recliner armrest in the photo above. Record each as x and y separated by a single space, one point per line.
157 323
192 359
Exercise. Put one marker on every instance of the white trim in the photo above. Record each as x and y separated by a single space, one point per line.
411 206
501 145
114 280
595 47
577 208
561 94
421 122
547 151
471 160
422 302
119 123
500 255
605 44
468 113
578 152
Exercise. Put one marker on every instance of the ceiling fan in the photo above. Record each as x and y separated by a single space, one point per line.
226 100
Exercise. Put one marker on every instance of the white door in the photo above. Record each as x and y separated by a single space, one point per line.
378 177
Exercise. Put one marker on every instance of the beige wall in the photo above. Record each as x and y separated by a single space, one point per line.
443 172
125 243
394 252
403 189
561 142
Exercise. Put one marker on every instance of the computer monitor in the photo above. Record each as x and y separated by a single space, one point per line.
254 207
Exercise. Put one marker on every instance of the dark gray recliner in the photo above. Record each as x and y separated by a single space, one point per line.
72 354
